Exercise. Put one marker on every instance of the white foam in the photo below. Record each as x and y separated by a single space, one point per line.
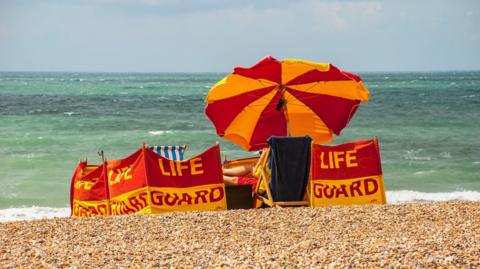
424 172
412 155
159 132
31 213
446 155
393 197
405 196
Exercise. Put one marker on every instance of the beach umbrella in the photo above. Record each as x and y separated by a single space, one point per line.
289 97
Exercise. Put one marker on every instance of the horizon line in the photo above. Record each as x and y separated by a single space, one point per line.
226 72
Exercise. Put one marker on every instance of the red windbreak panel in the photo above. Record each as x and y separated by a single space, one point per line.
95 192
351 160
335 112
204 169
271 122
223 112
125 161
315 75
268 68
76 175
127 174
150 169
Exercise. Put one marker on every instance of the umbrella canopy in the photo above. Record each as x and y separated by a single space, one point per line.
289 97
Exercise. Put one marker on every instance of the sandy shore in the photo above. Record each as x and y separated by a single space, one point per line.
407 235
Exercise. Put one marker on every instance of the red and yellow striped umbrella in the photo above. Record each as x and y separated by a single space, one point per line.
289 97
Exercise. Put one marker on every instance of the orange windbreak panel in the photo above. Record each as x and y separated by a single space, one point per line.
347 174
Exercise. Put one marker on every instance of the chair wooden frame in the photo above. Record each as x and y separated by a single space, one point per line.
264 182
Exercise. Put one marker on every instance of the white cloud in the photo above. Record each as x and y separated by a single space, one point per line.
334 16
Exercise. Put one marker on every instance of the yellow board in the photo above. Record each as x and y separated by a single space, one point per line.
90 208
160 200
355 191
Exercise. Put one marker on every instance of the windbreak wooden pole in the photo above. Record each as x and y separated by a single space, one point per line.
105 178
100 153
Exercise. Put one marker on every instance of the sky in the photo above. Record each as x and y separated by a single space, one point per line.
215 35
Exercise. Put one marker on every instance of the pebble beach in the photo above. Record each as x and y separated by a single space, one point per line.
414 235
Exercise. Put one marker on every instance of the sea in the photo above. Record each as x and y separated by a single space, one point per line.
427 124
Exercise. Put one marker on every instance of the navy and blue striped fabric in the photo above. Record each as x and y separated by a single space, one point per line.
170 152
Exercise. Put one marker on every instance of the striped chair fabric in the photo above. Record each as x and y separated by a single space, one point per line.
170 152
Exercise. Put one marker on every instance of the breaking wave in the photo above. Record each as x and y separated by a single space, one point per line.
405 196
34 212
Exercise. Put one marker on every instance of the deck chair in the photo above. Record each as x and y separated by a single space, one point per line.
175 153
234 163
288 159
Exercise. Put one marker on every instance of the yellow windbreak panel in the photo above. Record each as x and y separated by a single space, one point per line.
90 208
241 128
355 191
199 198
132 202
302 120
233 85
292 68
348 89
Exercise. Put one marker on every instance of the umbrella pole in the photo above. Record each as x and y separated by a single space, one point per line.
287 120
283 103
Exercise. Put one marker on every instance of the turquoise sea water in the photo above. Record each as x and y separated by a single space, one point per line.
428 125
